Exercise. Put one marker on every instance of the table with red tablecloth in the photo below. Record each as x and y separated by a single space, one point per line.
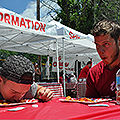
55 109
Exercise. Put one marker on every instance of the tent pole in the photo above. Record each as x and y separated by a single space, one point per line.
77 66
47 67
64 67
48 63
57 60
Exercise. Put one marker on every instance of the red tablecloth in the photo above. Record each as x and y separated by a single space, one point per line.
55 109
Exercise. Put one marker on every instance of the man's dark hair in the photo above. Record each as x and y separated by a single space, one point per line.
89 62
107 27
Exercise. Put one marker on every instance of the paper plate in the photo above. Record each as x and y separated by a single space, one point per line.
3 103
86 100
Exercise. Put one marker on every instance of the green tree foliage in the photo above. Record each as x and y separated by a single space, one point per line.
76 14
82 15
34 58
106 9
5 53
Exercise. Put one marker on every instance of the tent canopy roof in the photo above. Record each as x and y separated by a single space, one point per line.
35 37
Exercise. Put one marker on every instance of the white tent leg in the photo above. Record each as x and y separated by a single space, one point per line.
64 68
57 60
77 66
47 66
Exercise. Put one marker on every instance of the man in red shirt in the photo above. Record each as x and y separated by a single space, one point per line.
84 71
101 79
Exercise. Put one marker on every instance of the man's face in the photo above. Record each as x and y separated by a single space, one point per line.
89 65
107 48
13 91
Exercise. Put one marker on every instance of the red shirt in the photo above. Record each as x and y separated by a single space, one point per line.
83 72
101 82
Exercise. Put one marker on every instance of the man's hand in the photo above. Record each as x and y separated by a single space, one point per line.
44 93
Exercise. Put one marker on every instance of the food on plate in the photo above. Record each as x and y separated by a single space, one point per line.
5 103
83 99
68 98
23 100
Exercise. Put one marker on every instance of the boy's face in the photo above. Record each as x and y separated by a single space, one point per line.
12 91
107 48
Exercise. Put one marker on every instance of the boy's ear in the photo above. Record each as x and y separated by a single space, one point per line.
119 40
1 79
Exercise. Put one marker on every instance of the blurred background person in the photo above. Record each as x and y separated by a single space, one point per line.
61 79
37 73
84 71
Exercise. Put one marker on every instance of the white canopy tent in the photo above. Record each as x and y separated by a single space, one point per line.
76 43
31 36
16 30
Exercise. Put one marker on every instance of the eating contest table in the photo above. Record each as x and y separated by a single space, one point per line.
56 109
